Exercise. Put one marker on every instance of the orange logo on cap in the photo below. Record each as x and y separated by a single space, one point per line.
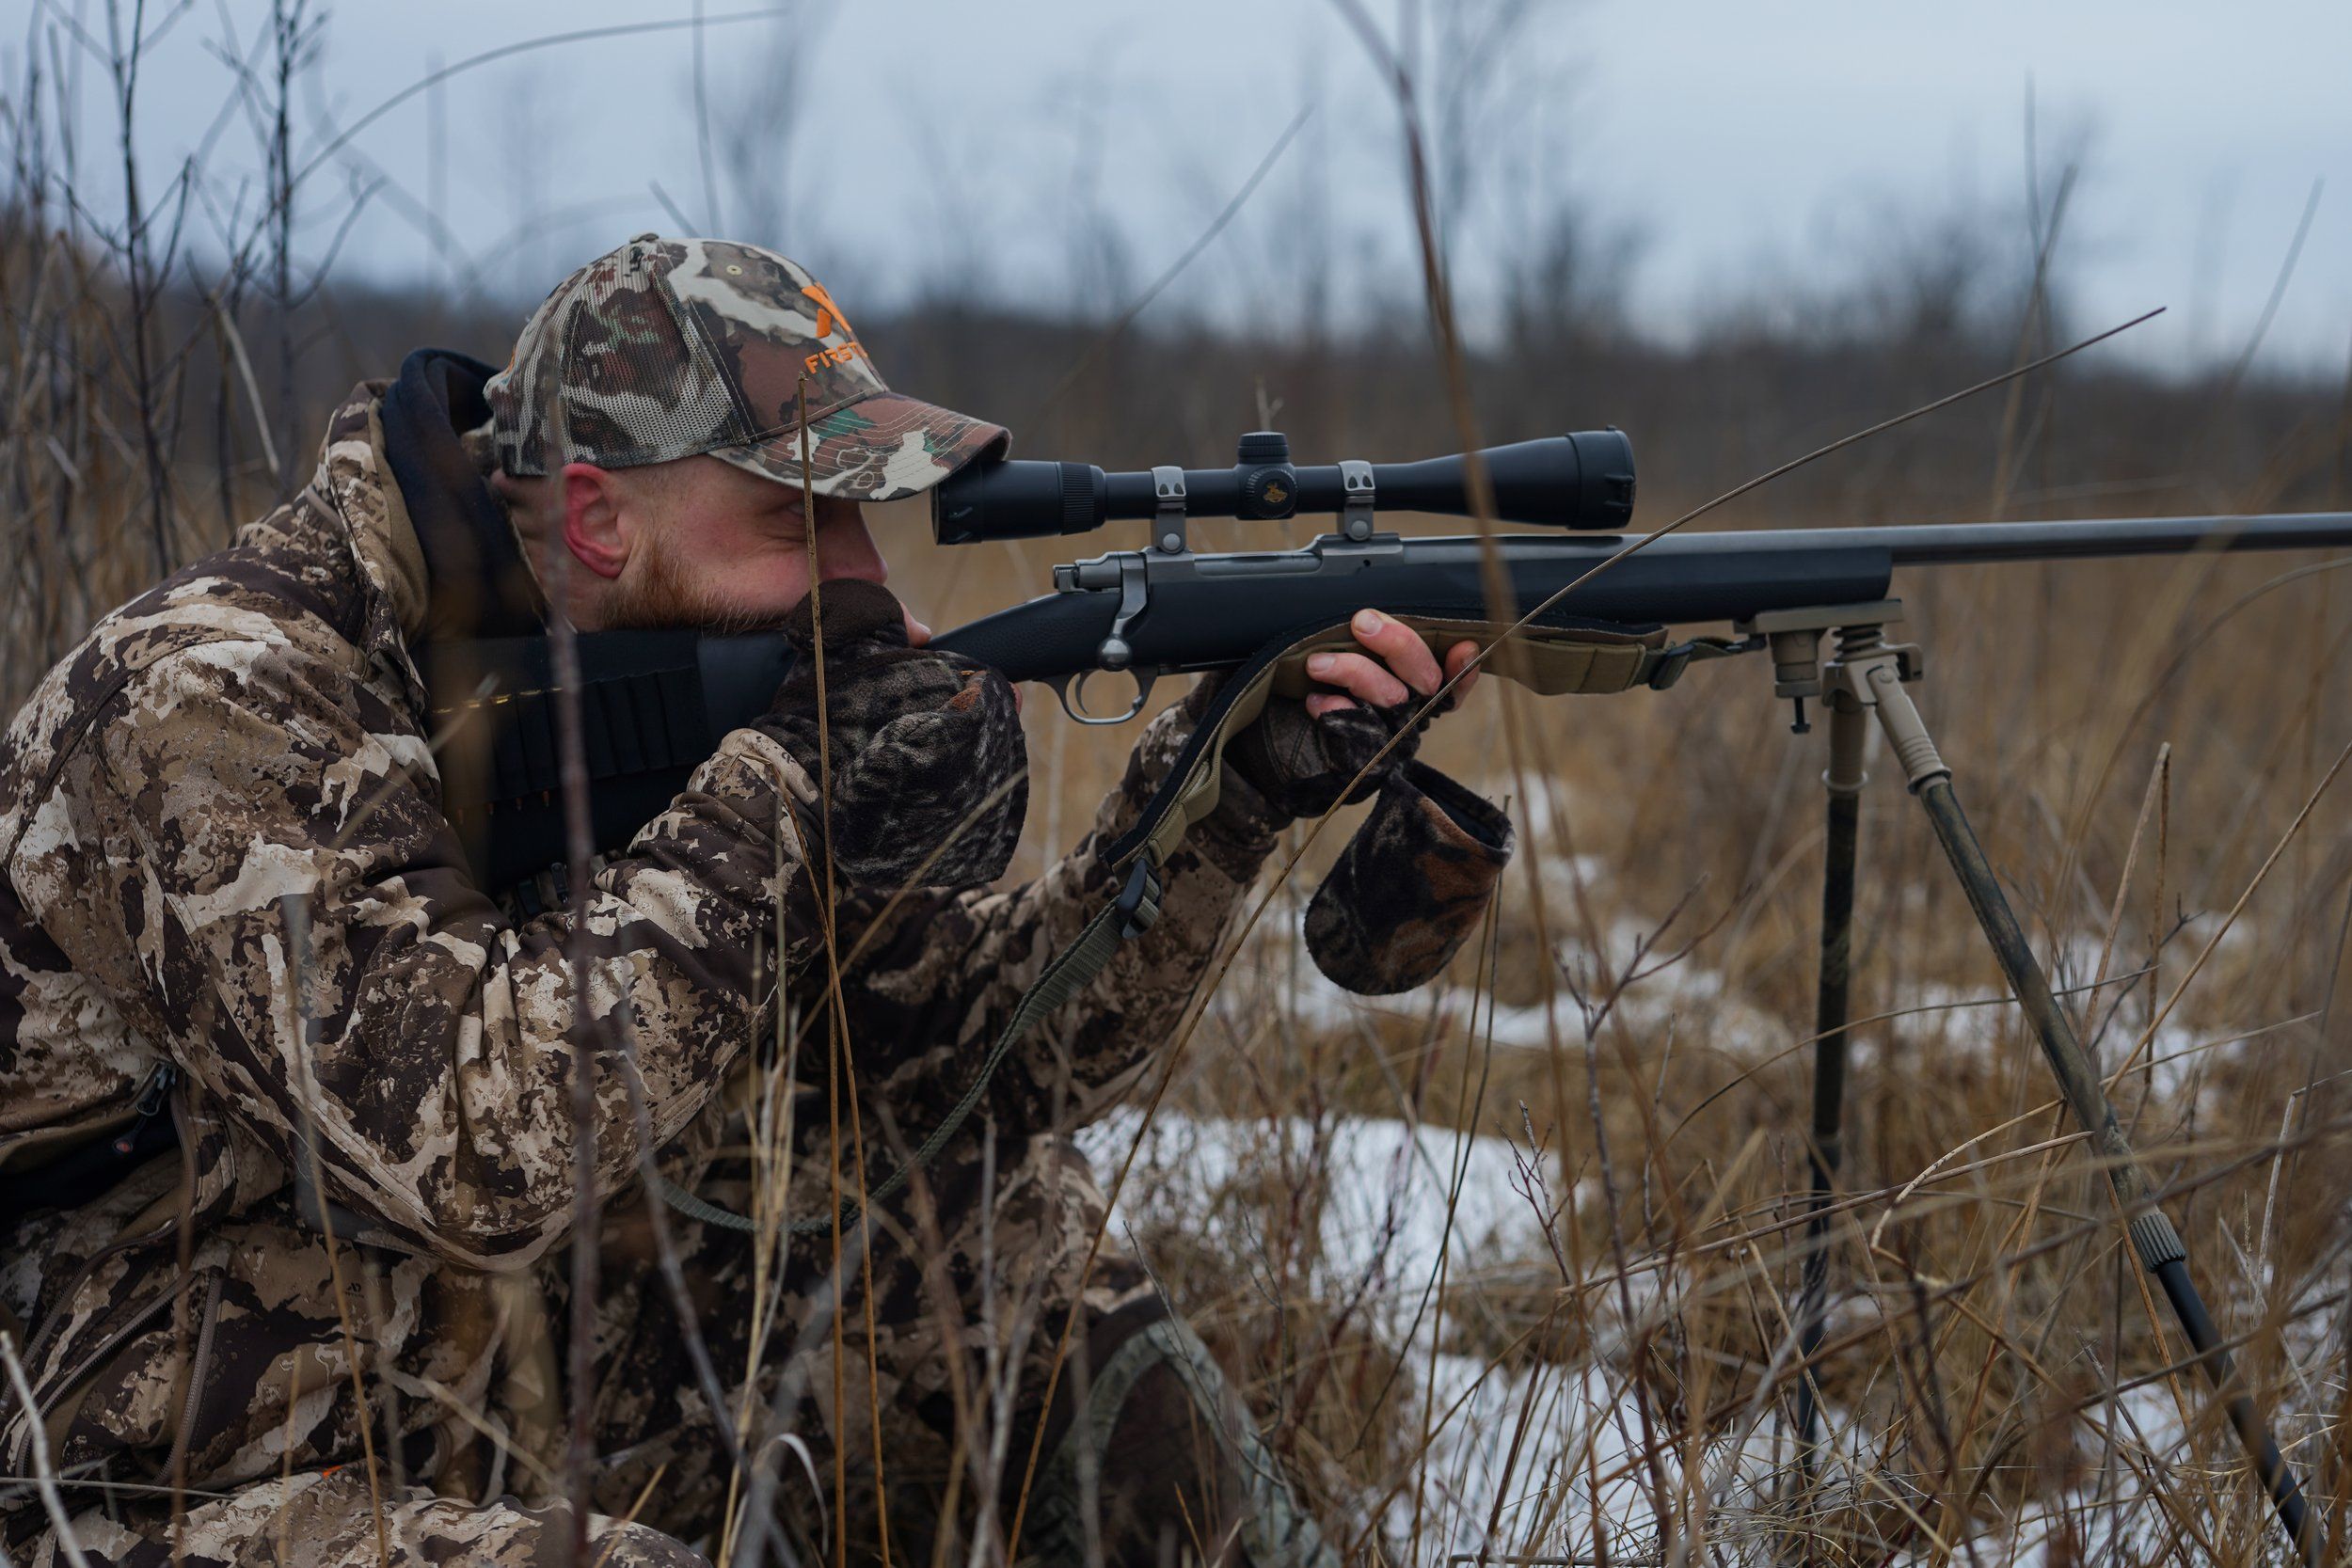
829 320
829 316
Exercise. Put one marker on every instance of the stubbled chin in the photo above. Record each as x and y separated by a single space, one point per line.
660 597
644 613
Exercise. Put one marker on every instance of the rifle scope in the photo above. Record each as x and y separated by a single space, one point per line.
1583 480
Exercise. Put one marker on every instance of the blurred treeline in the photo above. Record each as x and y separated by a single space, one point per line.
168 354
236 390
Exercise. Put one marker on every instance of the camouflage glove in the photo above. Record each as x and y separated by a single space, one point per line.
1410 886
1416 879
1300 763
928 768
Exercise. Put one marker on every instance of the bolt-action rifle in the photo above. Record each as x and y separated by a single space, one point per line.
1592 609
656 703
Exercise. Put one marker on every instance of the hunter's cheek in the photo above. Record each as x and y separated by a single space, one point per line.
845 549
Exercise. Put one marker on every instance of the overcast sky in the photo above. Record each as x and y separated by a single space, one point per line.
1748 148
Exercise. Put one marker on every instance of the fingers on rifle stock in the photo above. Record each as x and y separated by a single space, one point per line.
1401 649
1360 678
1396 664
1457 658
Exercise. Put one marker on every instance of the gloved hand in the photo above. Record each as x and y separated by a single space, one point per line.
928 766
1411 885
1301 762
1300 755
1417 877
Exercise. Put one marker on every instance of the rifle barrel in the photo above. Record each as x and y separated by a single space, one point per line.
1966 543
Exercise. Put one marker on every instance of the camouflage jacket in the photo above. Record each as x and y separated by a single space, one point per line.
227 874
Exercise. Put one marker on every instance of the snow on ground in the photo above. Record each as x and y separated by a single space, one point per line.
1649 1007
1520 1445
1517 1445
1401 1200
1388 1185
1505 1437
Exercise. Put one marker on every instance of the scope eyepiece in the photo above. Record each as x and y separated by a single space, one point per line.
1580 480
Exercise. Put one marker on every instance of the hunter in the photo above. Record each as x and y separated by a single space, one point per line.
287 1137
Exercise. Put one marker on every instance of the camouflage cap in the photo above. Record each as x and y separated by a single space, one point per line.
669 348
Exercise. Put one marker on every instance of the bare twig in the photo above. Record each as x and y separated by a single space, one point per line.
44 1478
2278 292
1175 269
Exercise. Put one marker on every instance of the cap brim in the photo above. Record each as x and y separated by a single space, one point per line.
882 448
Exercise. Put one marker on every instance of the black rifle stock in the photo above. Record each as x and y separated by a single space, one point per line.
1213 612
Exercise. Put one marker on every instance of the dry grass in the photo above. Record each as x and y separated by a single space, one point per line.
1509 1266
1984 1315
1996 1380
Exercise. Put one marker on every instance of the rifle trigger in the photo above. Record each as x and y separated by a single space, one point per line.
1072 690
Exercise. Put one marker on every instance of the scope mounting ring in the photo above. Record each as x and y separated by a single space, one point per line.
1358 491
1167 523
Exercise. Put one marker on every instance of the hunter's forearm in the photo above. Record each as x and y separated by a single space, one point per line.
938 981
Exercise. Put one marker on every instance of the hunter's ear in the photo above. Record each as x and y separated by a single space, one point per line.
593 529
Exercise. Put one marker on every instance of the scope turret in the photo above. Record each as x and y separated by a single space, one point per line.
1581 480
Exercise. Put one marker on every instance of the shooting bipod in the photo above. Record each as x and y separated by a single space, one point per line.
1863 678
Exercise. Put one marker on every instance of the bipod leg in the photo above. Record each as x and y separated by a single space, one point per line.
1848 728
1870 672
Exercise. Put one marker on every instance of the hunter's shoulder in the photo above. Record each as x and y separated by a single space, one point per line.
315 580
269 591
245 625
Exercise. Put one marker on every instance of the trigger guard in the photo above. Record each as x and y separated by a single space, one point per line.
1071 689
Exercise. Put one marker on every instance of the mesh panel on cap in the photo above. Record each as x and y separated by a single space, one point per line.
731 421
668 401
